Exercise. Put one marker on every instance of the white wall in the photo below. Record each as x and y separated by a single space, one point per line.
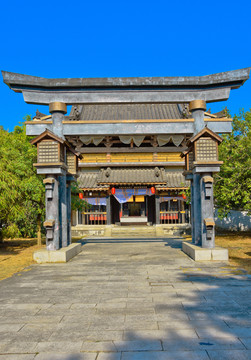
235 221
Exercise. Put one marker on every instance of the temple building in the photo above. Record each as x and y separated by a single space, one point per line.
131 179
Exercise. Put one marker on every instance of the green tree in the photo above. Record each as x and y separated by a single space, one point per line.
76 202
233 183
21 190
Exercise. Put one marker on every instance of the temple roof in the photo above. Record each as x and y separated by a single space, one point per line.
129 112
88 181
142 176
105 178
94 112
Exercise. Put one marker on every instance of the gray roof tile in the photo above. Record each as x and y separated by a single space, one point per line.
128 112
131 176
128 176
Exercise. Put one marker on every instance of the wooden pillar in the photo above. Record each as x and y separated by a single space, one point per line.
79 218
108 210
157 209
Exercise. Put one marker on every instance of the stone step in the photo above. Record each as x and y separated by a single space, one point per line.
135 231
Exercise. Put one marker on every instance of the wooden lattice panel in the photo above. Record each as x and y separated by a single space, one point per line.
206 149
48 152
71 163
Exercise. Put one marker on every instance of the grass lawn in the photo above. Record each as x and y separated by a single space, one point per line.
239 248
15 255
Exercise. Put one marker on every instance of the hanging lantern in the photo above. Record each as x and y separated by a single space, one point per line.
81 196
153 190
184 196
113 190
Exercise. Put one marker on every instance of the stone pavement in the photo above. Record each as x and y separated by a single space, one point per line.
127 300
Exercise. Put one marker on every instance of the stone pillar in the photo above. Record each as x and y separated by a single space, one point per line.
57 110
192 209
52 223
190 177
68 200
157 209
207 211
108 210
196 209
197 108
63 210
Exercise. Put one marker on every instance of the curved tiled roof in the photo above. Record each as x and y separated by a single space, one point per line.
129 112
174 180
88 181
132 177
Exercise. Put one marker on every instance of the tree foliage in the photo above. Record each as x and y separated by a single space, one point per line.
76 202
21 190
233 183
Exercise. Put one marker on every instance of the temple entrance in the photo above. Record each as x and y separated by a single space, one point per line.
129 206
148 134
134 209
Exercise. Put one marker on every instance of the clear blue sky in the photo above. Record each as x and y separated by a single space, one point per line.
122 38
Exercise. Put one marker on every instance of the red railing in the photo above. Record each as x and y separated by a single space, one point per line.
172 217
94 218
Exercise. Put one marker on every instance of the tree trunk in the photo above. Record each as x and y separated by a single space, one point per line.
39 236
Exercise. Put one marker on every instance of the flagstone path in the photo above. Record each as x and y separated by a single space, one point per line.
127 299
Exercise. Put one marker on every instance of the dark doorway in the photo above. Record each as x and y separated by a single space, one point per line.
115 209
151 209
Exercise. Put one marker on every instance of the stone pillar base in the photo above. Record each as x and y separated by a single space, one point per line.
57 256
198 253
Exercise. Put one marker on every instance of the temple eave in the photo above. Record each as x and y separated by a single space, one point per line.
235 78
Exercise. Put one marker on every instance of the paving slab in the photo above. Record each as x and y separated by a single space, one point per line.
229 354
109 356
165 355
69 356
17 357
127 300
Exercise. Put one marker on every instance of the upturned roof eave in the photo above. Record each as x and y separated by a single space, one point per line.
233 79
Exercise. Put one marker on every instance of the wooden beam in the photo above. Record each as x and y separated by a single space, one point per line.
36 122
97 150
131 164
126 121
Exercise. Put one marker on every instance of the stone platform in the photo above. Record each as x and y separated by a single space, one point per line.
56 256
198 253
160 230
127 299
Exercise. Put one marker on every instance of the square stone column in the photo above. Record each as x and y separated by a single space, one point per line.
52 222
63 210
68 201
196 203
207 211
